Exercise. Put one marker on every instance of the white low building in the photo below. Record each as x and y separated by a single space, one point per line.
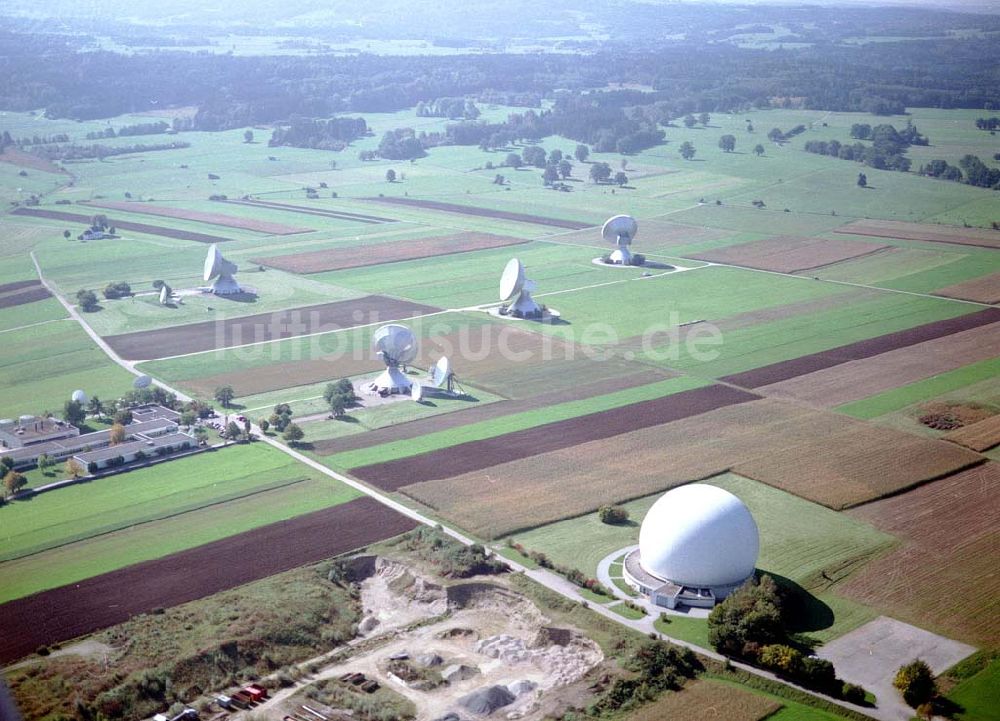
697 544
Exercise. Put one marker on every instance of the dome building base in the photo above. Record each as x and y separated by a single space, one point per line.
667 594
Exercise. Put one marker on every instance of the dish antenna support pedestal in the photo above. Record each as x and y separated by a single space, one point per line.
222 271
620 230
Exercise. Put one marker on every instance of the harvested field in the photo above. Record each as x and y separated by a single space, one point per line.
29 160
18 285
949 415
478 455
979 436
227 221
80 608
980 290
121 225
574 480
209 335
414 429
290 374
484 212
944 577
859 379
707 699
777 372
655 234
920 231
25 292
318 261
788 254
306 210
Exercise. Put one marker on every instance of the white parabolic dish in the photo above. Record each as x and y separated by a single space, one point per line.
699 535
512 279
620 229
397 346
441 371
222 271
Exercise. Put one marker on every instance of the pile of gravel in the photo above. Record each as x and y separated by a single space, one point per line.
485 701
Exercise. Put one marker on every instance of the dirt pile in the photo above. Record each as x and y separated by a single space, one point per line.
393 597
564 664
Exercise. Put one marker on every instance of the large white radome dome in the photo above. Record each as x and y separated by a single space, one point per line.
699 535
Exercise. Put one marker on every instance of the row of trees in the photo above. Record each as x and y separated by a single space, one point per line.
72 151
991 124
870 155
451 108
332 134
157 128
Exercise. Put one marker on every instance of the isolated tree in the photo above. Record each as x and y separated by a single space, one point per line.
390 175
13 482
727 143
775 135
621 179
704 119
293 434
565 168
67 234
338 406
612 515
122 416
87 300
264 425
117 435
758 150
225 395
73 469
690 121
581 153
247 136
600 172
749 127
862 180
513 160
550 175
45 462
556 156
687 150
916 682
499 179
94 407
233 431
534 155
73 413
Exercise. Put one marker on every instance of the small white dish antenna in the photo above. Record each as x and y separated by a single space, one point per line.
164 295
79 396
222 271
441 372
620 230
417 392
142 382
397 346
513 283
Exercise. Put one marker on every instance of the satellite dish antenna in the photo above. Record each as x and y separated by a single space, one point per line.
80 397
620 230
417 392
142 382
441 373
514 287
164 295
222 271
397 346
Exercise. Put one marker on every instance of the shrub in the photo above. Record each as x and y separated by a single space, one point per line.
613 515
852 693
916 682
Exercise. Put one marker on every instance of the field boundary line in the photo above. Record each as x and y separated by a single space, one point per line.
32 325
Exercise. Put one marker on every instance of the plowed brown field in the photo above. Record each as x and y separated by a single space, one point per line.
209 335
578 479
226 221
979 436
318 261
22 292
29 160
784 370
478 455
121 225
707 700
945 576
862 378
789 254
981 290
81 608
313 210
485 212
921 231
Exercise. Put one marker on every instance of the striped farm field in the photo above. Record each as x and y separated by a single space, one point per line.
226 221
146 228
789 254
949 529
979 436
980 290
918 231
703 697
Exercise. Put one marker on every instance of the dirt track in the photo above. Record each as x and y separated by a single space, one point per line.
209 335
485 212
227 221
21 292
784 370
919 231
81 608
477 455
318 261
121 225
789 254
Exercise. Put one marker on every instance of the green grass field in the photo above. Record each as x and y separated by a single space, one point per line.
978 695
90 528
